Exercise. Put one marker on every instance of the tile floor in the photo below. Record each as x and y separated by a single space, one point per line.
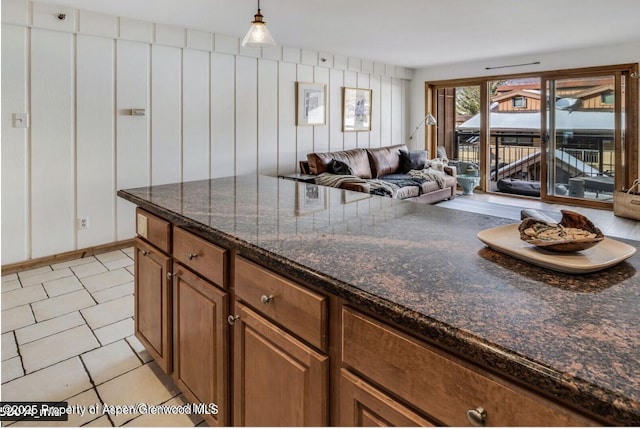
67 335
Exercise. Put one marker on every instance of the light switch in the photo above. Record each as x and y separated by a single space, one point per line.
20 120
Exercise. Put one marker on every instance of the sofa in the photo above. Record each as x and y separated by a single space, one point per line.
391 171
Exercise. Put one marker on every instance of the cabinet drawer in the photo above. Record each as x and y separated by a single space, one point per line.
205 258
441 386
297 309
154 230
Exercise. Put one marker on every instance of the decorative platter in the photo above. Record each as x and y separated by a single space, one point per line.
607 253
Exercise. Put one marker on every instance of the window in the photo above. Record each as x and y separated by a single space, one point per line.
607 97
519 102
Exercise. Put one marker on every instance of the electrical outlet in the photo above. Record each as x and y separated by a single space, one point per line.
83 223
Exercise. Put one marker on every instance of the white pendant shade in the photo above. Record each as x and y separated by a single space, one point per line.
258 35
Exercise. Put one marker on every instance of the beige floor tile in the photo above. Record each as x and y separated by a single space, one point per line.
46 277
62 286
35 271
54 383
85 399
90 269
63 304
142 385
113 292
131 269
49 327
119 263
101 422
110 312
106 280
114 332
9 346
137 346
11 369
129 251
16 318
14 276
110 256
166 419
58 347
8 285
110 361
22 296
73 263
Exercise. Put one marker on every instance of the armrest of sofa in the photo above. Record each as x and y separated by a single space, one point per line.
451 170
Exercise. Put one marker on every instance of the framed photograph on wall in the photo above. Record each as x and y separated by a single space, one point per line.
356 109
310 103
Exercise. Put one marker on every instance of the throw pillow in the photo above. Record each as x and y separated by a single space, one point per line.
412 160
339 167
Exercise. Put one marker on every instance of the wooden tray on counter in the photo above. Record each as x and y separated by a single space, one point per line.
605 254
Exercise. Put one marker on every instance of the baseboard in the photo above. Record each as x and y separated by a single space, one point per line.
66 256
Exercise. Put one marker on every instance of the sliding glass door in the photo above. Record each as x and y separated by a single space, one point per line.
583 135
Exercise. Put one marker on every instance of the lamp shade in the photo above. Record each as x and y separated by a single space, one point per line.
258 35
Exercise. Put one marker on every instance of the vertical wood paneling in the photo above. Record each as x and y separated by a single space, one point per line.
385 111
287 155
166 133
396 111
52 142
246 115
15 146
336 136
95 105
304 134
350 138
132 132
376 111
222 115
195 114
207 114
267 117
321 133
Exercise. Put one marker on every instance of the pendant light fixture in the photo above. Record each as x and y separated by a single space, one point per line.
258 35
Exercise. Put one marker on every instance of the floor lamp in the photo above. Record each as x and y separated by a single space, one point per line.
428 120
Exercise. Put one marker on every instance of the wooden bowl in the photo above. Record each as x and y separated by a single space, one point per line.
570 219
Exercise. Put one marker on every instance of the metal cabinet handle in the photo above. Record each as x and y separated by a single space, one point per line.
145 252
477 417
266 299
190 256
169 276
232 319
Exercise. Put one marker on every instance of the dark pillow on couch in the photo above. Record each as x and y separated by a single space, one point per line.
412 160
339 167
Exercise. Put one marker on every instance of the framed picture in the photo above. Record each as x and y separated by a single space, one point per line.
310 103
356 109
310 198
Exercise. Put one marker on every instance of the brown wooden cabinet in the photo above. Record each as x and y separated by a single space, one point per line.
152 311
362 405
278 380
201 343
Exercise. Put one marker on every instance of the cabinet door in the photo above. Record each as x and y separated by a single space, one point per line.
278 380
201 344
153 302
362 405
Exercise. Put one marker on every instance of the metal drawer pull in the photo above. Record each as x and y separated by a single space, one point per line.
266 299
190 256
232 319
477 417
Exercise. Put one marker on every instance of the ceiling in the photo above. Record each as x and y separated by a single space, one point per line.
410 33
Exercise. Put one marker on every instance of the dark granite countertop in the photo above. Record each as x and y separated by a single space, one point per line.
574 337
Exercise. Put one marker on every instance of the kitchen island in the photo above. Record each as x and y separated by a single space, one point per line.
573 340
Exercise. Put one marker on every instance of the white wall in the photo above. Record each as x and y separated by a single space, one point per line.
213 109
577 58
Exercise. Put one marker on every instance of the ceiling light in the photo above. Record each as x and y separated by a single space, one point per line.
258 35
